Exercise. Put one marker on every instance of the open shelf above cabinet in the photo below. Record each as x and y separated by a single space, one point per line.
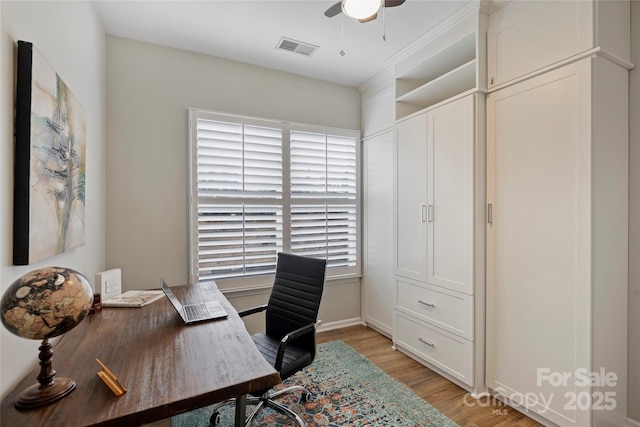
447 85
449 72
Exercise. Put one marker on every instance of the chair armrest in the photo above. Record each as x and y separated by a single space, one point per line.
289 337
253 310
298 332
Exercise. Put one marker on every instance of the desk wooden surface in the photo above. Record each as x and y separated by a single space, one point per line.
166 367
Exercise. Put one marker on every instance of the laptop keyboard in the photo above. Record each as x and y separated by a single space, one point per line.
196 311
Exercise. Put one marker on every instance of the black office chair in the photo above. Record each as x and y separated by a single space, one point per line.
289 343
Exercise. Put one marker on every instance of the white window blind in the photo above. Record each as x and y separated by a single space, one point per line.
237 160
259 187
237 240
323 197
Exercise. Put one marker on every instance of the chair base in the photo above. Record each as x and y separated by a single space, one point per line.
266 400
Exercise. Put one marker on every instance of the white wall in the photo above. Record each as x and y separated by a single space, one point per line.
149 89
634 218
70 36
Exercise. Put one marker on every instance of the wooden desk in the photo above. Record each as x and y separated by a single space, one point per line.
167 367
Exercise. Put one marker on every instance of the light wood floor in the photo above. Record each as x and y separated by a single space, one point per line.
445 396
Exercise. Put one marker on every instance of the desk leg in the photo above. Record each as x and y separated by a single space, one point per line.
241 408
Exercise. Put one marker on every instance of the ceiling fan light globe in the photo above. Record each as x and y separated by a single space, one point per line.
360 9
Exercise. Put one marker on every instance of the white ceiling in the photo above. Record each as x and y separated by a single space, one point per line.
249 30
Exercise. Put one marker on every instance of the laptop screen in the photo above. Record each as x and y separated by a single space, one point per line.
172 298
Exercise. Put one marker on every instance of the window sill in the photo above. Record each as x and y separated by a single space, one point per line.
262 284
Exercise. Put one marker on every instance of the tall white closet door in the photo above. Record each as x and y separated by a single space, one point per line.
450 215
378 281
538 241
410 222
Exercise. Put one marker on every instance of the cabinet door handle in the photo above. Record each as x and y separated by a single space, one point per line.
430 213
428 304
490 213
423 341
423 213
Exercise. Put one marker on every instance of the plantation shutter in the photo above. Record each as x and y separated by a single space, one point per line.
241 166
324 197
259 187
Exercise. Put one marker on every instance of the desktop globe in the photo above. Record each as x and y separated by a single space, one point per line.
46 303
43 304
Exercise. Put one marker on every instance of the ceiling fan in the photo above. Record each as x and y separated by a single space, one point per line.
362 10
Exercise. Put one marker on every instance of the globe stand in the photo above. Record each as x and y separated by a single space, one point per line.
49 388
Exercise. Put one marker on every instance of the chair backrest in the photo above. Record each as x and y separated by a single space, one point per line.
295 298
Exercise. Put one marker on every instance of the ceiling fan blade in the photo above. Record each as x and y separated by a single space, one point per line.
393 3
337 9
368 19
333 10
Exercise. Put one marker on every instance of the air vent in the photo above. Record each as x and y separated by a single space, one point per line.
295 46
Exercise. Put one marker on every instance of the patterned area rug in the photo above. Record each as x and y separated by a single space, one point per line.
347 390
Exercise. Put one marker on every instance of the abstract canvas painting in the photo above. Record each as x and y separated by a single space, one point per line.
50 151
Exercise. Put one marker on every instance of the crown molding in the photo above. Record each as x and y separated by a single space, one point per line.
379 82
492 6
467 12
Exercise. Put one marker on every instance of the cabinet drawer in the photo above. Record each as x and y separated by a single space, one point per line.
448 310
448 352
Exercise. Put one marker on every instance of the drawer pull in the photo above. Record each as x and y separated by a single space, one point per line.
428 304
430 344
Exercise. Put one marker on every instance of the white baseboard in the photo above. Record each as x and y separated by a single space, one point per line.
632 423
329 326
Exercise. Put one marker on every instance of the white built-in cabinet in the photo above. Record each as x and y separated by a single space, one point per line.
434 196
378 285
545 201
557 203
435 229
423 199
377 278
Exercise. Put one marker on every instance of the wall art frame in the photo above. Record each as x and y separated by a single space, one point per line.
50 162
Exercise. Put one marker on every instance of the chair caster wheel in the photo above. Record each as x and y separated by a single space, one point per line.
215 419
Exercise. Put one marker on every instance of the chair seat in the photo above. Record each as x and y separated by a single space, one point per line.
294 359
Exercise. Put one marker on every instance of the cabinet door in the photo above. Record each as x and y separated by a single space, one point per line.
525 36
378 281
538 254
410 190
378 113
450 206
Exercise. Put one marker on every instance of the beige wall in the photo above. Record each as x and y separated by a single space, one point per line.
634 218
70 36
149 89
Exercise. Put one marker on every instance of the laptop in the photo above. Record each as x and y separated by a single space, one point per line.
194 313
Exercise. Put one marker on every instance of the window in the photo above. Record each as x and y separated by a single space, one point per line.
259 187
